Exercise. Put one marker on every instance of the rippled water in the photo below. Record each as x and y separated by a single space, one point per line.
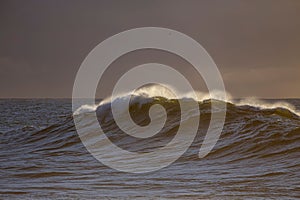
42 157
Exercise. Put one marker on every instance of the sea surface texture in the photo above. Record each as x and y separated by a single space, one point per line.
256 157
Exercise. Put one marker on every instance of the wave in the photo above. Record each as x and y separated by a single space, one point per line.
255 128
266 120
258 148
245 125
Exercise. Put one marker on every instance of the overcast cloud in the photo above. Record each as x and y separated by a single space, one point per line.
255 44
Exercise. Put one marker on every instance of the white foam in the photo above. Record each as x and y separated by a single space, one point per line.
85 108
252 101
144 95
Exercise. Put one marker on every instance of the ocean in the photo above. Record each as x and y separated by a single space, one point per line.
256 157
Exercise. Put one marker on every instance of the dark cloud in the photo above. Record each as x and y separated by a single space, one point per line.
255 44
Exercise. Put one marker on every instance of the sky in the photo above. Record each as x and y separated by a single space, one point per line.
255 44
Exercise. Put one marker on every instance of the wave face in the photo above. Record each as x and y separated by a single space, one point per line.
257 155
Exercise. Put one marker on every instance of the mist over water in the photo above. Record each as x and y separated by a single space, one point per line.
257 155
